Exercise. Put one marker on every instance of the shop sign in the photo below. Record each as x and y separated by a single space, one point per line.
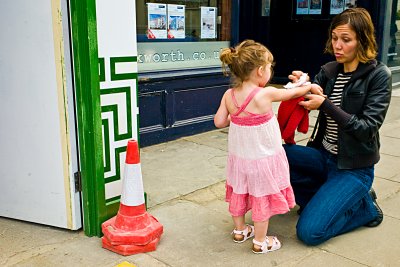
179 55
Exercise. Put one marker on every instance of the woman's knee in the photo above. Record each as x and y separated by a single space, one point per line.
309 234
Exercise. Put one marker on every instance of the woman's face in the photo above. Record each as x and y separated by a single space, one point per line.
344 44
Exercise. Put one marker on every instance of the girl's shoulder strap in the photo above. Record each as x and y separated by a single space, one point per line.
248 99
251 95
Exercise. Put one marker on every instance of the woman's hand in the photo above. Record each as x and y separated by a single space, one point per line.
312 102
317 90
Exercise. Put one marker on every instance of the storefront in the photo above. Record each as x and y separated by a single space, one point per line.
180 78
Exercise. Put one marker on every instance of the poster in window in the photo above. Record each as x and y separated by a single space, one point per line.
265 8
157 21
336 6
315 7
208 22
349 4
302 7
176 21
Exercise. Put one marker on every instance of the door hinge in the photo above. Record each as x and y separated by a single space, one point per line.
78 182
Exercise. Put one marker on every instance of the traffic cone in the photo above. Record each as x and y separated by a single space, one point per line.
133 230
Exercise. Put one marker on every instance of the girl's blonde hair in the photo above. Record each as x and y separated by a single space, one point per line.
359 20
243 59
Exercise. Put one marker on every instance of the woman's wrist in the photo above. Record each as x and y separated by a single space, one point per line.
322 103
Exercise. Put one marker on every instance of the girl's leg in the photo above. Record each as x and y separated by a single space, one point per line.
239 222
240 225
340 205
260 230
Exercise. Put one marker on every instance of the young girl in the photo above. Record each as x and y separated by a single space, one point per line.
257 170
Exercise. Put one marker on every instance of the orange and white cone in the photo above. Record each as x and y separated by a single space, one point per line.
133 230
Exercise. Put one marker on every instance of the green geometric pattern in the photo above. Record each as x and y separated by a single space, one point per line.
118 84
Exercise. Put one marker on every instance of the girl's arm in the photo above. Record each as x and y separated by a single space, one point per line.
277 95
221 118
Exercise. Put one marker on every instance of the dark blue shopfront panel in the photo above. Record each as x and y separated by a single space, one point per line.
150 104
178 107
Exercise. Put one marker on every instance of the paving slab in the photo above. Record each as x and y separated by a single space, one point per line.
178 168
385 188
369 246
217 139
390 204
391 129
388 166
325 259
29 245
390 145
198 236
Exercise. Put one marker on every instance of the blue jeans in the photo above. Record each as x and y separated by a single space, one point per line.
332 201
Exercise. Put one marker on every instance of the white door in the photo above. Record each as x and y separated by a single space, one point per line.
38 150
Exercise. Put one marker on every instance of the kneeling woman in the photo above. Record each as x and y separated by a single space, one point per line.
332 182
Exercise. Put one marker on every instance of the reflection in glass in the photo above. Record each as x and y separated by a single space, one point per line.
394 42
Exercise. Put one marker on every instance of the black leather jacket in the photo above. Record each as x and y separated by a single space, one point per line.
365 101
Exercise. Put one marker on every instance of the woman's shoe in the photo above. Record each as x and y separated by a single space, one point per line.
244 234
379 218
267 245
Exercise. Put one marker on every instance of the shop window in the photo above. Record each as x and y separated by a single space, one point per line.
394 39
319 9
181 35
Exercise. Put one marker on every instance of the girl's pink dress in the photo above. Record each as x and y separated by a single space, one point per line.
257 169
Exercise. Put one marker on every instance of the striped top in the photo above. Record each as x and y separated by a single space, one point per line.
331 134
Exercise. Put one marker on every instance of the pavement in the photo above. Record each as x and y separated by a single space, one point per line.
184 181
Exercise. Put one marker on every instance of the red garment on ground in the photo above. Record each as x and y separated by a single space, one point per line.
292 116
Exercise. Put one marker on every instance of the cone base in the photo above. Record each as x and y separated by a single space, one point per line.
146 232
129 249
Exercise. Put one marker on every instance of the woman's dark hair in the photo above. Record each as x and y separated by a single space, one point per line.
359 20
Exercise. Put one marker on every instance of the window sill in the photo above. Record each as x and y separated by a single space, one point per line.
178 74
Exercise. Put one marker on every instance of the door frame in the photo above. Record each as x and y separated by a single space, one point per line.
88 113
105 68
